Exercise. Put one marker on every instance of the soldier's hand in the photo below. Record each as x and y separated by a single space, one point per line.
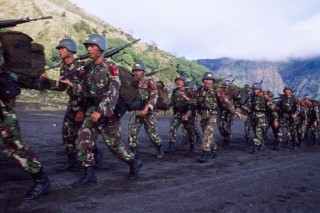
239 115
315 124
66 81
275 123
80 116
185 117
143 112
294 116
94 117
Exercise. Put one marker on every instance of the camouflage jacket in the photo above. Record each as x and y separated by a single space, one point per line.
75 101
100 86
181 100
148 92
260 105
289 105
207 101
311 110
234 96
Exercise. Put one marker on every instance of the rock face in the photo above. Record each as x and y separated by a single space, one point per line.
301 75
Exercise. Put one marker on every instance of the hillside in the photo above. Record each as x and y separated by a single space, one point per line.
71 21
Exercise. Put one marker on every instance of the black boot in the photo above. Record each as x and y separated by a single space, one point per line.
213 154
226 143
88 178
135 167
205 156
160 152
98 157
170 148
277 145
256 149
185 140
72 164
40 187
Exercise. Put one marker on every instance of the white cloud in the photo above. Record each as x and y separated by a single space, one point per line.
248 29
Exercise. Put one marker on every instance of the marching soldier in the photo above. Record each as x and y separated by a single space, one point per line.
100 86
258 104
146 116
208 99
12 145
180 102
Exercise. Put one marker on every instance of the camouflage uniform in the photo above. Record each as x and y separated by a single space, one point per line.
312 114
180 101
147 92
14 148
207 101
247 122
225 118
258 105
100 87
70 126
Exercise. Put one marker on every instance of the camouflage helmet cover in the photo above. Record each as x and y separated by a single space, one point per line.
287 87
256 85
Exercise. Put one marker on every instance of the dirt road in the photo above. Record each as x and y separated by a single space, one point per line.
273 181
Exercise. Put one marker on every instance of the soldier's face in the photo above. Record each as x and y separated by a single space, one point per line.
207 83
288 92
256 91
138 73
93 50
64 53
179 83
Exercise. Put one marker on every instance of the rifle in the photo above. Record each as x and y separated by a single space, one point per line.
223 78
262 79
156 71
15 22
106 55
234 79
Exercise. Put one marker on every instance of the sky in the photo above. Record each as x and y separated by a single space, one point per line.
273 30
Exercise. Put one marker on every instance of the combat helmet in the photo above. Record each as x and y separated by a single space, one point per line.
256 85
182 77
228 83
208 75
139 66
98 40
287 87
68 43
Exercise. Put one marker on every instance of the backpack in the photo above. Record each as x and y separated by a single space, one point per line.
25 58
8 85
163 96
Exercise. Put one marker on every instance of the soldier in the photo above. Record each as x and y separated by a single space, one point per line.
180 101
100 86
148 93
312 113
292 115
225 118
14 148
207 99
74 115
247 122
258 104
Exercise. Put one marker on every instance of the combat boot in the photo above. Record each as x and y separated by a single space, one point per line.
72 164
256 149
226 143
185 140
277 145
205 156
213 154
170 148
40 187
160 152
88 178
198 138
135 167
98 157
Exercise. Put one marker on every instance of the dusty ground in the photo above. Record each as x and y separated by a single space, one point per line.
274 181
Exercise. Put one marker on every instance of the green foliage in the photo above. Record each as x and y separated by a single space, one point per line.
82 27
128 59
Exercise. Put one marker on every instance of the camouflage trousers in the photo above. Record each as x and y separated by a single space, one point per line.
208 142
10 140
109 129
224 123
150 125
294 127
70 130
247 126
175 122
194 127
259 125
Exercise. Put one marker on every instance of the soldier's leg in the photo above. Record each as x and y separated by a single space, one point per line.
208 145
110 132
258 129
135 123
13 147
190 134
184 136
150 125
247 127
172 136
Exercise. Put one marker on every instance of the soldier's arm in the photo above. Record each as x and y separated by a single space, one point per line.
153 94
